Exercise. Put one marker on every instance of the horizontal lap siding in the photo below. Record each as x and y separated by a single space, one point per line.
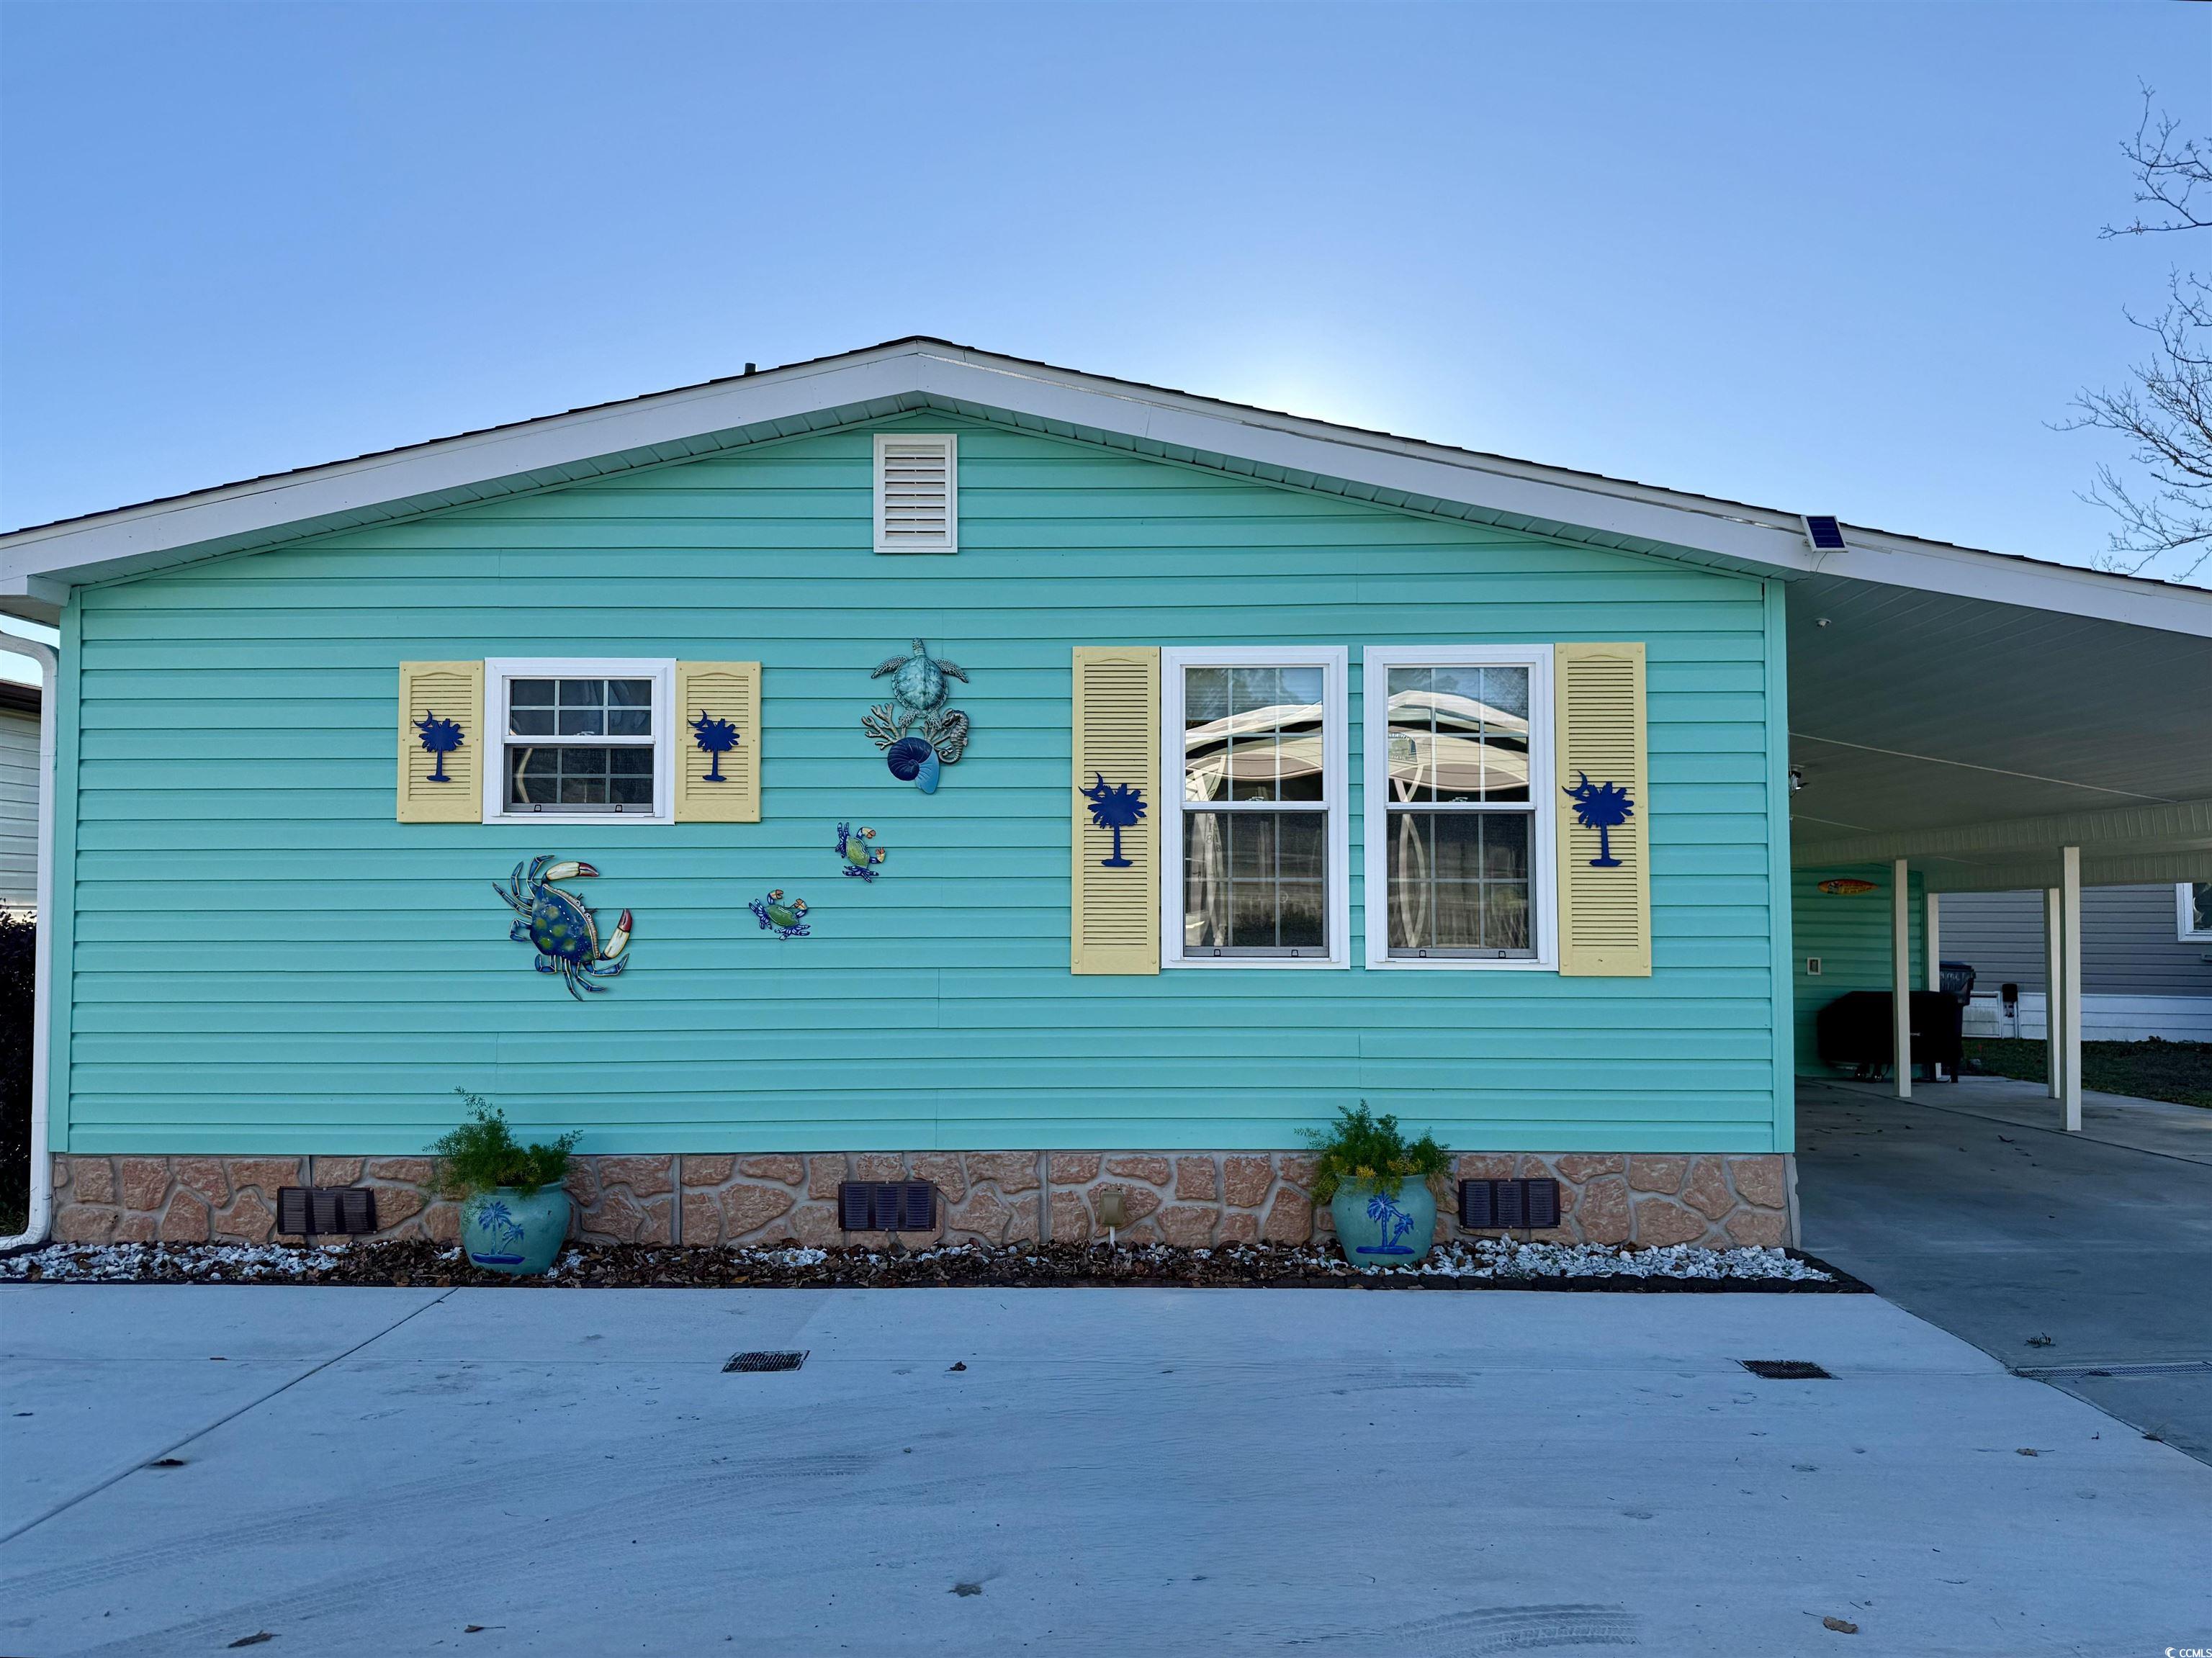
1850 933
264 960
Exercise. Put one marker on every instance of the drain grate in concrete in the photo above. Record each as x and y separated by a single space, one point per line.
1786 1369
765 1362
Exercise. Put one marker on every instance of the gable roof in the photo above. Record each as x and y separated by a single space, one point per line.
39 563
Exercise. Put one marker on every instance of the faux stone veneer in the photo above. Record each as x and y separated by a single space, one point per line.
1191 1198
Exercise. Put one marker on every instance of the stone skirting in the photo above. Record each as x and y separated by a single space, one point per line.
1190 1198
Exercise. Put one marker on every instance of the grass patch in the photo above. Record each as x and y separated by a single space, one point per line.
2153 1070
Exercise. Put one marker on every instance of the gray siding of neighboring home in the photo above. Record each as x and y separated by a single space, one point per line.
2130 945
19 797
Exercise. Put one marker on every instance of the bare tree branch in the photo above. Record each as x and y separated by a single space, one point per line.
2165 519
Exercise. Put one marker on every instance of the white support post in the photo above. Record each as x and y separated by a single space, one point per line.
2071 927
2054 958
1900 964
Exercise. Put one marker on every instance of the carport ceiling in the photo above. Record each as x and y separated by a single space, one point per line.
1912 711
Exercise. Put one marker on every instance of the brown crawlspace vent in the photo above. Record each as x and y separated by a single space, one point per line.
326 1210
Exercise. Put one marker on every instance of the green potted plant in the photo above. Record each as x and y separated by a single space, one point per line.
514 1211
1376 1183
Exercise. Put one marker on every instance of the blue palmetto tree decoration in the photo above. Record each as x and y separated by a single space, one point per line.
716 738
1115 806
1603 807
441 738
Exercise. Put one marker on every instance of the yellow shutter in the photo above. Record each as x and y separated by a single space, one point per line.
718 692
1114 914
1604 913
442 691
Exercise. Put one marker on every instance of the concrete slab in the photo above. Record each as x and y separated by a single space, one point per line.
2154 1125
1179 1471
2073 1253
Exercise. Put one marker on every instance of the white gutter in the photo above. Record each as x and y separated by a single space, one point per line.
41 1217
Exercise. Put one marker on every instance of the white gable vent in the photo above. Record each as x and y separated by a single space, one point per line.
917 494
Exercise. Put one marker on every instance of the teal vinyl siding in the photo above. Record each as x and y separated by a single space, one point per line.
263 960
1851 937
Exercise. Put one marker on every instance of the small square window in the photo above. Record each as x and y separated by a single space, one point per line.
582 739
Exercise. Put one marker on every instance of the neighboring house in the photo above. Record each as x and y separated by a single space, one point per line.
19 797
1230 769
2146 960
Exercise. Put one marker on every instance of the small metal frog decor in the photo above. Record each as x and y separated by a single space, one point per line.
858 857
1115 806
1604 807
919 690
784 917
441 738
557 922
715 739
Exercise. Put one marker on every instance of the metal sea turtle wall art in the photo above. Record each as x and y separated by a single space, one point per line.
918 734
561 926
857 852
784 917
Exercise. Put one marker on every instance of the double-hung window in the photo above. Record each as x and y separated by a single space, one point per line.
581 739
2193 911
1459 806
1252 768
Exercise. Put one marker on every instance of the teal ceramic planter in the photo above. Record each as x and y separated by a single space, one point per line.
511 1230
1377 1227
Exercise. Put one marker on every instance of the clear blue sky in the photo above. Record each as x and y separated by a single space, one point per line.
1831 258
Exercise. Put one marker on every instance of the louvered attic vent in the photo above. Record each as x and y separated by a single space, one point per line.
917 494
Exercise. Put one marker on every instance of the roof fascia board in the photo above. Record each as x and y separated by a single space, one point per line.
2178 826
673 425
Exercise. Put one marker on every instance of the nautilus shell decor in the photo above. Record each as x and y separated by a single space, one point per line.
918 734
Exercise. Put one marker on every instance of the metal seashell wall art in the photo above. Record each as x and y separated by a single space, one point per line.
784 917
921 684
855 851
560 924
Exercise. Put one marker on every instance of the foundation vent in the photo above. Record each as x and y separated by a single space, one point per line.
891 1206
325 1211
1493 1205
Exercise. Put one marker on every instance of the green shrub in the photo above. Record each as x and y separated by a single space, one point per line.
1370 1153
482 1154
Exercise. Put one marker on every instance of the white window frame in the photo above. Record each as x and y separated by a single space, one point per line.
951 542
501 671
2184 915
1376 661
1335 663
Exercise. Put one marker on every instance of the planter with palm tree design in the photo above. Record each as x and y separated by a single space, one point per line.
1384 1223
511 1229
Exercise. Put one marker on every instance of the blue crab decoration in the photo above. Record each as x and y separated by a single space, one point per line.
858 857
784 917
560 924
919 686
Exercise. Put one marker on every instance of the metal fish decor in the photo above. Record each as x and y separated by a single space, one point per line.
1849 887
784 917
919 686
562 927
855 853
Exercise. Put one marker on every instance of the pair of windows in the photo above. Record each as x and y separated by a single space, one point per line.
1457 827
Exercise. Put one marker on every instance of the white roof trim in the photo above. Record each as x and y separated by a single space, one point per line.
38 564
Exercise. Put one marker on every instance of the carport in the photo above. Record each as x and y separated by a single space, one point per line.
1966 722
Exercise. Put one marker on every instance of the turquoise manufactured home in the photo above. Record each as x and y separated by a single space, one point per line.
1275 767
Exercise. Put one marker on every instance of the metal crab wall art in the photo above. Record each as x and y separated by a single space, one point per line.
919 686
858 857
557 922
784 917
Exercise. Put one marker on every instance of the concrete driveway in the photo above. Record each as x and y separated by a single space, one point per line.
2086 1258
1431 1474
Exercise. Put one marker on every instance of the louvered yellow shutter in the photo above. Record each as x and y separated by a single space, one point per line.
1605 909
718 692
1114 920
441 692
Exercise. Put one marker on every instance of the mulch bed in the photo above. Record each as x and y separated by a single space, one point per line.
421 1264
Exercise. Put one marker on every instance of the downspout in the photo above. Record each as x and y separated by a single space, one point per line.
40 1216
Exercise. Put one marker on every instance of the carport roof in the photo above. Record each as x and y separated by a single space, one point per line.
1947 703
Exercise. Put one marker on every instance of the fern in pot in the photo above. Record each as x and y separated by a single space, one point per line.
514 1209
1376 1183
